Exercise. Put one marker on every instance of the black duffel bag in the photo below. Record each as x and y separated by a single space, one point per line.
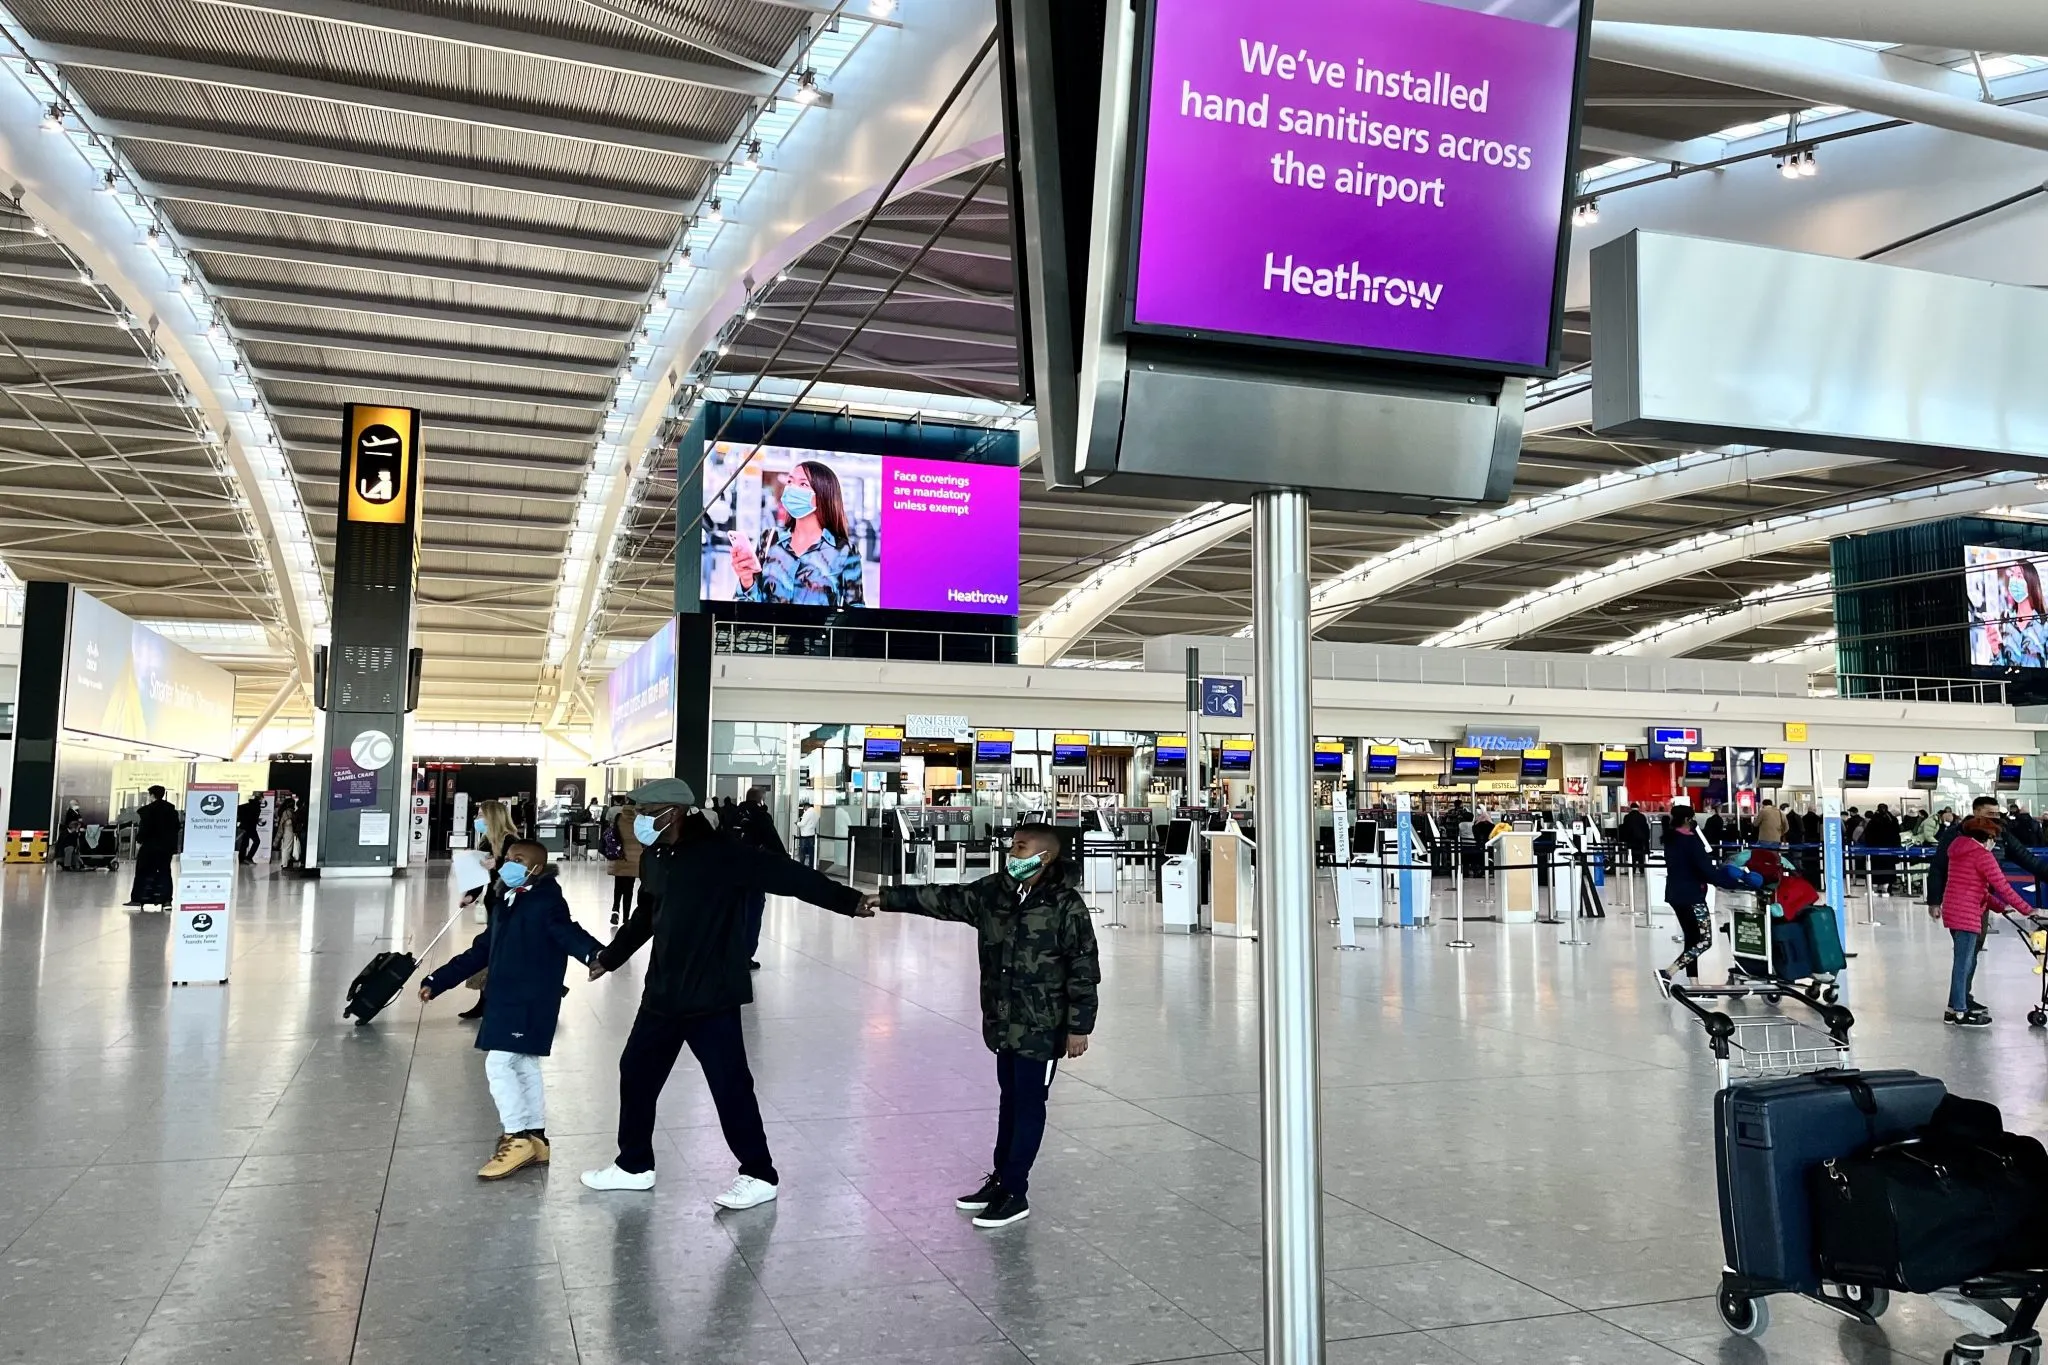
1963 1198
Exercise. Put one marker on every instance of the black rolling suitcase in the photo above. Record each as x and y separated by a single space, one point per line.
379 982
1769 1134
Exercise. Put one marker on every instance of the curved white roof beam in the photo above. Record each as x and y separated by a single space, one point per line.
1695 630
1640 572
1821 72
1814 651
1701 471
1971 25
58 184
1055 630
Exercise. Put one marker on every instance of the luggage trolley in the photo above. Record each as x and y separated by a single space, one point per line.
2033 933
1773 950
1763 1059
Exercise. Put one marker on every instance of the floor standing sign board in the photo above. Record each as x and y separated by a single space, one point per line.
202 929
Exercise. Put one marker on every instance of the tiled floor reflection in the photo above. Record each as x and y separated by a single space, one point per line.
1518 1158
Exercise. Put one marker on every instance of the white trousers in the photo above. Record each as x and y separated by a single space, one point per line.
516 1089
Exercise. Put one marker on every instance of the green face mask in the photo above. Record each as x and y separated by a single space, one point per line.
1022 868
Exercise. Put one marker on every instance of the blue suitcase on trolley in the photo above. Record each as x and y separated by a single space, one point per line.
1768 1134
1824 937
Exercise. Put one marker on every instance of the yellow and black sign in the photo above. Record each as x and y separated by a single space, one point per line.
380 456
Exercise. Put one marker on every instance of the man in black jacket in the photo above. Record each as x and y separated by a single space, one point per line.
697 980
1634 836
156 843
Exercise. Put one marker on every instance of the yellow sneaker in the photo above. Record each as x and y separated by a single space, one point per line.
541 1150
513 1152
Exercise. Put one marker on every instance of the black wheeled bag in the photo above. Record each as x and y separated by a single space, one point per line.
379 982
1962 1198
1769 1134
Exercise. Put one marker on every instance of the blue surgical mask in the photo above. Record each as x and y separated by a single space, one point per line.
644 830
513 875
480 826
1022 868
798 501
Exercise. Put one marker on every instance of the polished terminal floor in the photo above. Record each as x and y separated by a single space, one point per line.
1518 1157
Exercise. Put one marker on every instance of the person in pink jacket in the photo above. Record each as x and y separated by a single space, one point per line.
1974 880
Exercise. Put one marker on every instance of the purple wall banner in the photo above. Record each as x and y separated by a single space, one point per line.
1384 176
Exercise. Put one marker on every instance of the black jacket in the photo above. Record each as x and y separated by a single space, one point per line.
527 945
698 922
1635 829
754 826
1689 869
156 827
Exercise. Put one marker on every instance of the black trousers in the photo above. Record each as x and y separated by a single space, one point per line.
152 884
721 1049
757 908
622 896
1025 1083
1699 936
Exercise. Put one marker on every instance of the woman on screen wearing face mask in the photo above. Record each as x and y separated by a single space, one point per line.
808 558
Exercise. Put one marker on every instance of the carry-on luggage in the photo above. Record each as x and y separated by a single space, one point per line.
379 982
1824 938
1768 1134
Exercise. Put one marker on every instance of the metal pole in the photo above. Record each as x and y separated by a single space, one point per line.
1290 1087
1458 894
1195 792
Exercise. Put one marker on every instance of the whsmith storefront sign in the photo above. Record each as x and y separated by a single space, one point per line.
1503 736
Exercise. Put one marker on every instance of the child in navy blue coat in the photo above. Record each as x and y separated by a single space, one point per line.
527 945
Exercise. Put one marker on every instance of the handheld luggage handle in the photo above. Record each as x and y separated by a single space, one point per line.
442 933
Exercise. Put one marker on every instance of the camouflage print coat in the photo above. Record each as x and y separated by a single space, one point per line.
1038 964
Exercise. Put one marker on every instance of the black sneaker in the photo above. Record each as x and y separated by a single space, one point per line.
990 1191
1007 1209
1976 1018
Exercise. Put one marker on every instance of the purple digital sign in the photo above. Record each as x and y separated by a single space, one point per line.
832 529
1376 175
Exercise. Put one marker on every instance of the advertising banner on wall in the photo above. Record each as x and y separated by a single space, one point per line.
1395 172
637 707
832 529
125 681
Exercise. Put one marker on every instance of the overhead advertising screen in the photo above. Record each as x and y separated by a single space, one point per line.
638 703
2008 619
1170 754
881 746
1382 760
125 681
1329 758
1613 766
1235 756
1536 765
814 528
1385 177
992 748
1770 771
1465 764
1070 751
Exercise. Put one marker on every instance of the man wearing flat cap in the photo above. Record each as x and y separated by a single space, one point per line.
697 980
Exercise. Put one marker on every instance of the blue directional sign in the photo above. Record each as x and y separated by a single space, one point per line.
1223 696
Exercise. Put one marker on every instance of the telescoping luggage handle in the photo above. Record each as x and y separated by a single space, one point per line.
442 933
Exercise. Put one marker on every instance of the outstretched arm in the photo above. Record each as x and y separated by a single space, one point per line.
952 903
459 968
780 876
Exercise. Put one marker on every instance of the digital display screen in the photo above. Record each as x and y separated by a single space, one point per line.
2008 621
1699 765
2009 772
992 748
1926 770
815 528
881 744
637 704
1771 769
1070 751
1856 770
1465 762
1395 172
1382 761
1235 756
1329 759
1613 765
1170 752
125 681
1536 765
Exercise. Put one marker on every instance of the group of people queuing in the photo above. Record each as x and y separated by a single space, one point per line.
691 882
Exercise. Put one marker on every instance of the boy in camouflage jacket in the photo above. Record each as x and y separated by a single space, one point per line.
1038 978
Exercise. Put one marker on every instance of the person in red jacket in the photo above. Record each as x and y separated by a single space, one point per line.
1974 880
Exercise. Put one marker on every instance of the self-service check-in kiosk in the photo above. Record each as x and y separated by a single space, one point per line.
1233 890
1180 879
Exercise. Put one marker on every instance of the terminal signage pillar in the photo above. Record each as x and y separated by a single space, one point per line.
359 779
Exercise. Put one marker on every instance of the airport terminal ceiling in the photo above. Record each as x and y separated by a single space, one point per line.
481 213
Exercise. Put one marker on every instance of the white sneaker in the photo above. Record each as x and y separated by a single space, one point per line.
745 1192
612 1178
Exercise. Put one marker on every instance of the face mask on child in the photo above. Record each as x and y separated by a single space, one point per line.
1022 868
513 875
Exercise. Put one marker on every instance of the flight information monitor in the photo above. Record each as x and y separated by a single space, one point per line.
1170 754
1926 772
1535 765
992 748
2008 779
1382 760
1329 758
1856 770
1770 770
1070 751
881 746
1613 767
1699 767
1465 764
1235 756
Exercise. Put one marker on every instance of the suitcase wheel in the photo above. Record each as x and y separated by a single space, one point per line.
1743 1315
2037 1017
1865 1298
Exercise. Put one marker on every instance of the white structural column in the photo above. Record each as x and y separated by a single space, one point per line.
1290 1078
1750 61
1676 638
1055 630
1547 607
1486 532
1970 25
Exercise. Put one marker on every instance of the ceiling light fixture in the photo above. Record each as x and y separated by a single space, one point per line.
1587 214
53 118
715 210
807 91
752 160
1807 165
881 9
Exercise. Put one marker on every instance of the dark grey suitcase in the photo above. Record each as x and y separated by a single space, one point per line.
1768 1134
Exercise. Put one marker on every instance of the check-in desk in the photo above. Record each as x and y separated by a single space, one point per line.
1233 889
